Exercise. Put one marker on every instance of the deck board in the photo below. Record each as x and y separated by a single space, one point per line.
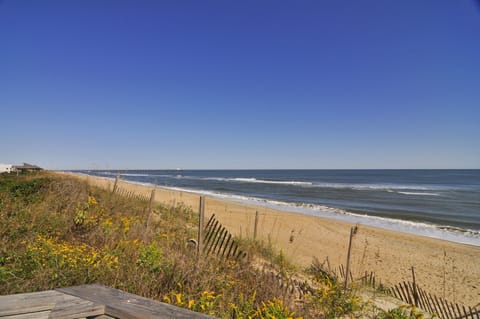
28 302
124 305
32 315
47 304
89 301
75 307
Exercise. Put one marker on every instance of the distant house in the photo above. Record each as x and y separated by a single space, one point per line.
6 168
27 168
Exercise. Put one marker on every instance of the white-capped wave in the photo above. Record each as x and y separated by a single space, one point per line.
134 175
384 187
354 186
263 181
359 186
248 180
418 194
107 173
351 186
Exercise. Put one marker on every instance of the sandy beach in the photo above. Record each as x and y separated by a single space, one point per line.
444 268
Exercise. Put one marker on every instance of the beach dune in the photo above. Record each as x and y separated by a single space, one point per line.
446 269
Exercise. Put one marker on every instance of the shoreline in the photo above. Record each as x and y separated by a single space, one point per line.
449 233
445 233
447 269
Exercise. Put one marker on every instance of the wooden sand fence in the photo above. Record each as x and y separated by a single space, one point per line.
291 289
340 274
128 194
412 294
131 195
219 242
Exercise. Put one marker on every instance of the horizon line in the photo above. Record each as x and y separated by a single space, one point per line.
248 169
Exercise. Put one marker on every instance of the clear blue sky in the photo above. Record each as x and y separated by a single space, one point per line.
240 84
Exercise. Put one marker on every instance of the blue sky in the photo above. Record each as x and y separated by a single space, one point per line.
240 84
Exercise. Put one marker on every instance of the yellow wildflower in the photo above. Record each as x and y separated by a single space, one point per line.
92 201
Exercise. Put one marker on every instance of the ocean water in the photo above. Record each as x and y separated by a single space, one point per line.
436 203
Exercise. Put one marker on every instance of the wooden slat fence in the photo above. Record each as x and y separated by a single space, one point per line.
414 295
218 241
369 280
290 288
340 273
130 195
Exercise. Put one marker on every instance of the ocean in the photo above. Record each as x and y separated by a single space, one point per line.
435 203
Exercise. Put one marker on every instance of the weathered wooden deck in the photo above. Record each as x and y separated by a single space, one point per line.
89 301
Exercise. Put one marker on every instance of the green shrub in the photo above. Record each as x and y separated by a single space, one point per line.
24 189
150 257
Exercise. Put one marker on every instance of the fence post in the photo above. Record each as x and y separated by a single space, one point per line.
152 199
415 293
115 184
352 232
150 211
201 214
256 225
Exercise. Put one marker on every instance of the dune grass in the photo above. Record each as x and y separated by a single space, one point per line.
58 231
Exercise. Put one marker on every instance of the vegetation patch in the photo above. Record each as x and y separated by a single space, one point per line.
57 231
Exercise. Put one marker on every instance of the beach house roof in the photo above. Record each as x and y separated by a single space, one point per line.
27 167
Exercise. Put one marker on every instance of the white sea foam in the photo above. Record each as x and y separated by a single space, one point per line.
418 194
108 173
416 189
247 180
134 175
359 186
262 181
386 187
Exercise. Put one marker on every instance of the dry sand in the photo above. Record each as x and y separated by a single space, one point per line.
444 268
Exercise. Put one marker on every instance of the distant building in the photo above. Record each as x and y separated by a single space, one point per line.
6 168
27 168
